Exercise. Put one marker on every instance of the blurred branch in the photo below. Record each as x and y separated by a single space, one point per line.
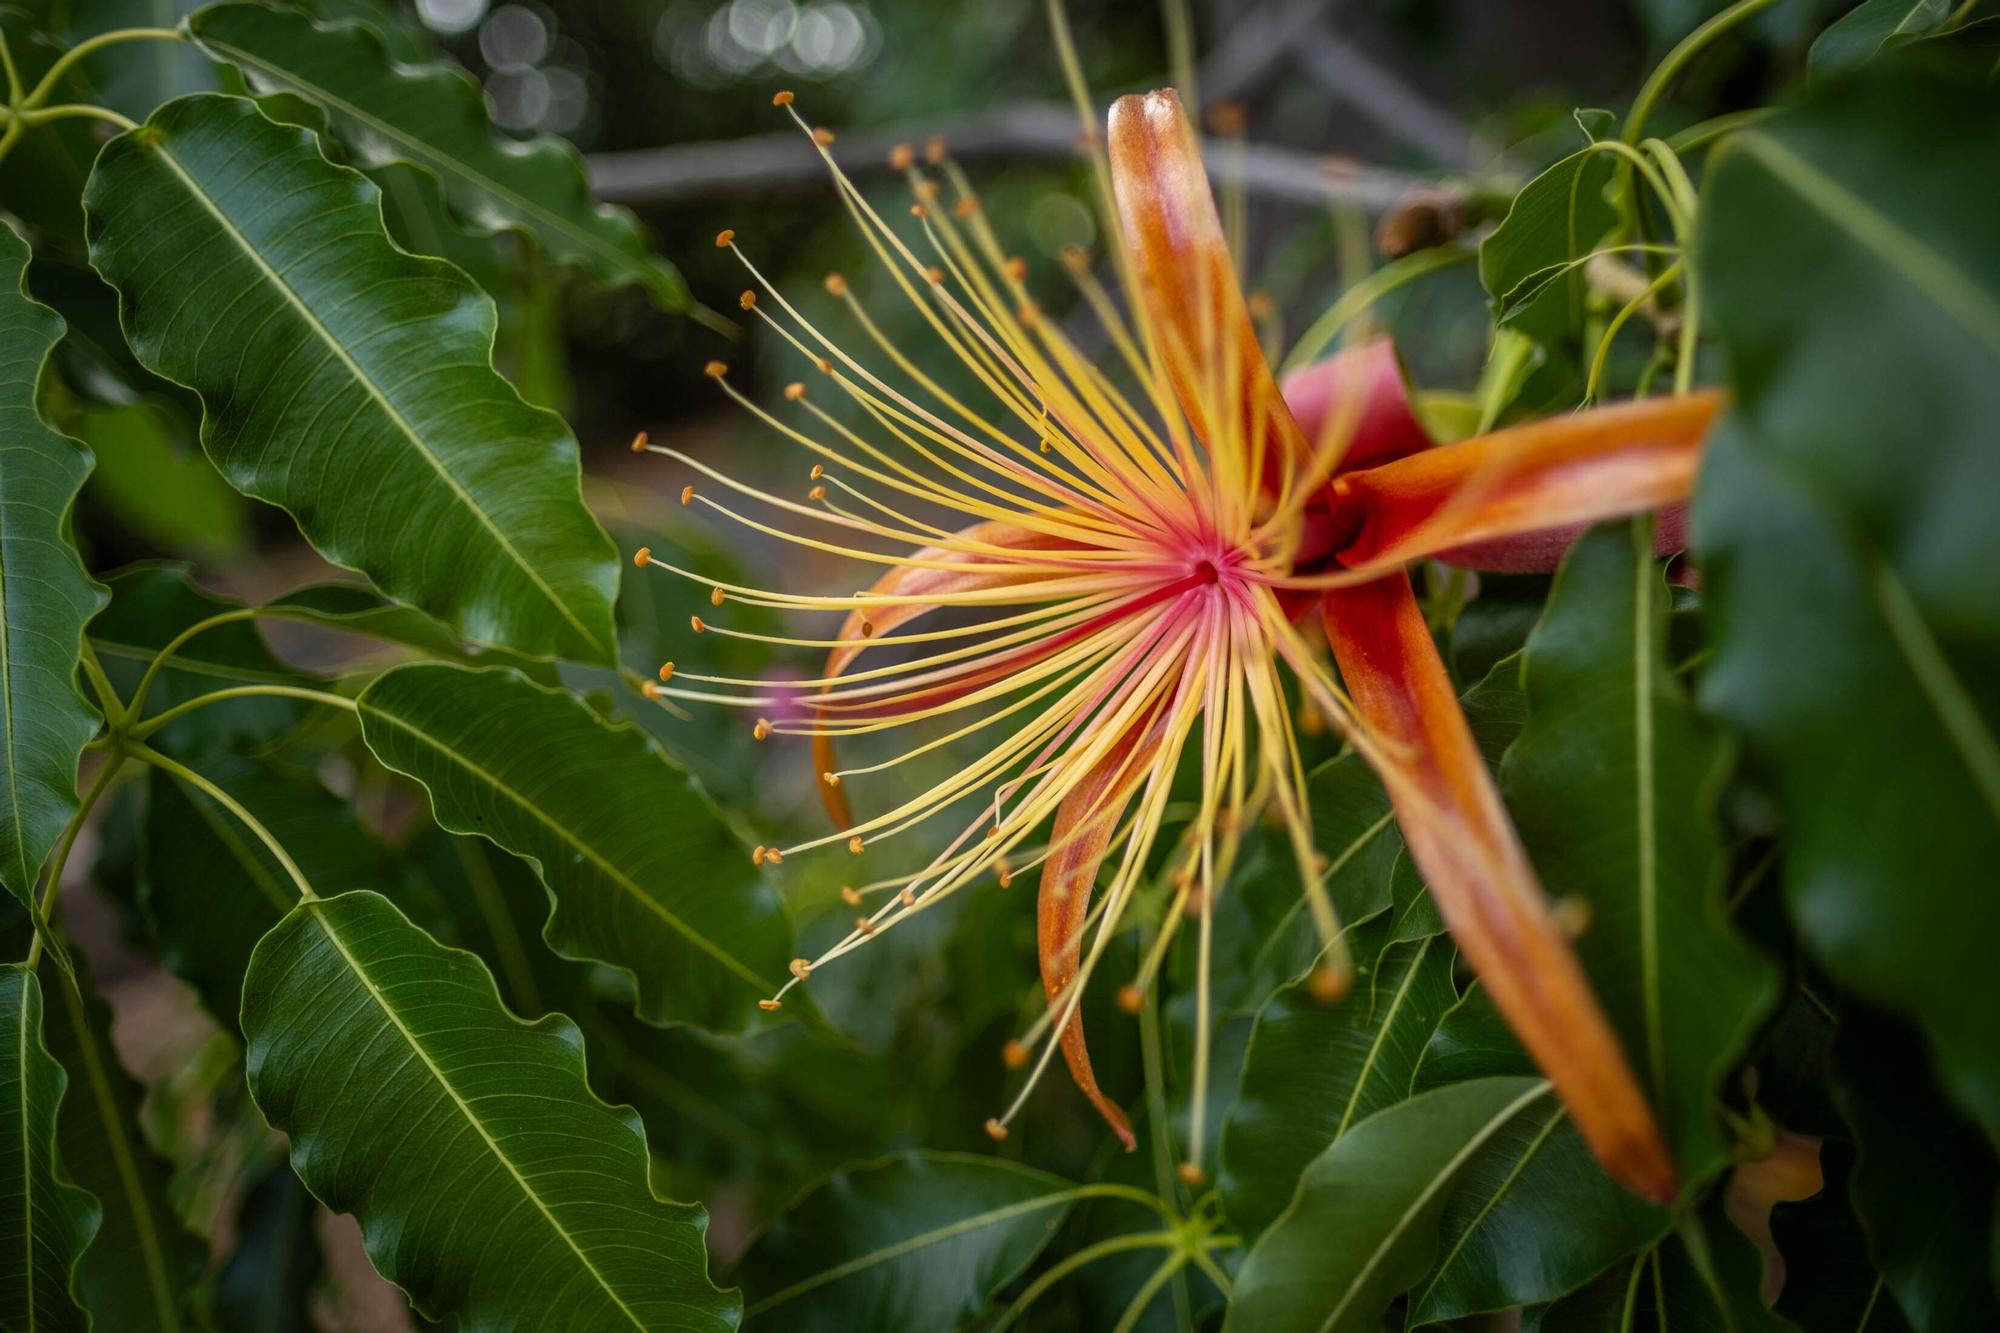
1026 131
1384 97
1254 45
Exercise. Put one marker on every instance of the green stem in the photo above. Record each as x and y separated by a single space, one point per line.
154 723
1147 1290
68 59
1677 59
1625 312
74 110
13 74
147 755
93 670
174 645
60 860
1700 136
1690 334
1144 1240
1207 1265
1151 1058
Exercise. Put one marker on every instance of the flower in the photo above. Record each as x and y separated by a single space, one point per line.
1135 577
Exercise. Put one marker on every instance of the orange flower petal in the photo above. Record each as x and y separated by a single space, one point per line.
917 580
1461 838
1187 287
1515 495
1085 821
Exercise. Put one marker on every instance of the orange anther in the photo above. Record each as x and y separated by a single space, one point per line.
995 1130
908 897
641 556
830 779
650 690
715 370
867 629
836 285
818 471
823 136
694 623
917 211
783 97
666 671
757 856
801 968
1329 984
1017 268
769 1006
1190 1174
774 856
1014 1054
854 844
794 391
816 493
762 731
1130 998
687 493
849 896
935 274
724 237
965 207
864 925
639 443
825 366
934 149
748 300
715 597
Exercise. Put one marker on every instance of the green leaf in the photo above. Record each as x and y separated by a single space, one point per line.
1845 527
642 871
1363 1227
1924 1180
266 1285
1611 783
43 183
167 494
489 1182
1532 1217
150 605
45 1221
211 890
1872 27
143 1267
355 609
45 595
1555 219
1315 1070
434 116
1707 1278
909 1244
345 380
1830 1278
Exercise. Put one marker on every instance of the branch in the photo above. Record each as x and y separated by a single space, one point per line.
1026 131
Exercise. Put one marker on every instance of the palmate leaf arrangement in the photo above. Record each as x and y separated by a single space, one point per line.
1602 949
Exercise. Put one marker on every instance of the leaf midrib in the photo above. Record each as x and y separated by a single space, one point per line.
416 148
1395 1232
1418 1303
910 1244
534 811
1645 802
373 390
1909 258
316 909
1381 1035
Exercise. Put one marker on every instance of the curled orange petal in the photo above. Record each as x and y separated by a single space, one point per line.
1515 495
1461 838
1366 380
1085 821
1187 288
919 580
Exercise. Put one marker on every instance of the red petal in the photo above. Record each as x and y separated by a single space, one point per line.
1385 424
1515 499
1461 838
1085 821
918 580
1186 279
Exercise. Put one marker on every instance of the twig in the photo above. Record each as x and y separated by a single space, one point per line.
767 163
1374 91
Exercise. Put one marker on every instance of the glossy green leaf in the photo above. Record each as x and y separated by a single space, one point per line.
1924 1179
45 1221
489 1182
355 609
1531 1217
143 1268
1526 263
1707 1278
1611 783
434 116
642 870
45 595
347 381
1315 1070
43 183
266 1284
1364 1225
211 890
150 606
1845 527
909 1244
1874 26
